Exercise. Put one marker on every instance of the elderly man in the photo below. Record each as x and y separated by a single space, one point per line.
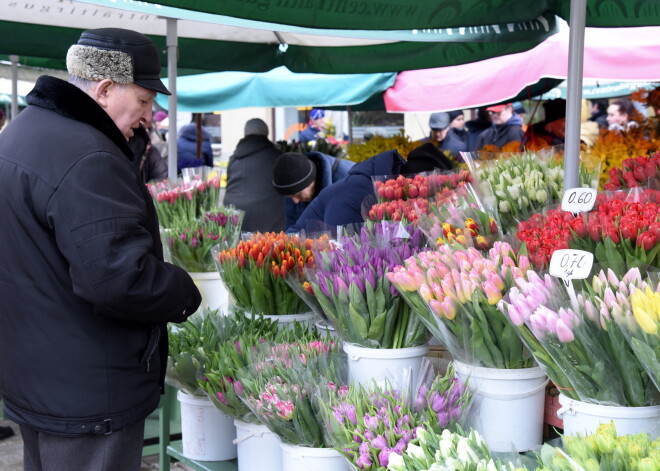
85 292
506 127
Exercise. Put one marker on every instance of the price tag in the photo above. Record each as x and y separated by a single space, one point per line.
570 264
578 200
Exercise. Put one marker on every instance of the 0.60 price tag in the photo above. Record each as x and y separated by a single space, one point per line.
569 264
578 200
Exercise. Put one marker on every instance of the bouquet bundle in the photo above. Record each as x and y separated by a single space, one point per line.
455 293
190 242
398 210
276 388
602 451
184 201
351 287
369 426
255 271
461 218
622 232
192 342
634 172
526 183
220 381
581 344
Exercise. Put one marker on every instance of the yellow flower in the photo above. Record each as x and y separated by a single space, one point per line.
645 306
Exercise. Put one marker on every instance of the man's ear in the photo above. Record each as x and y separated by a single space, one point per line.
101 92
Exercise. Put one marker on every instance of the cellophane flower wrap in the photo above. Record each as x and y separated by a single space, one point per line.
255 269
526 183
455 293
579 342
184 201
189 242
193 341
622 231
369 425
220 379
351 286
461 218
278 385
402 197
602 451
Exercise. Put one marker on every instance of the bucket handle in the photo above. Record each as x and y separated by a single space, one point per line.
511 397
566 409
257 434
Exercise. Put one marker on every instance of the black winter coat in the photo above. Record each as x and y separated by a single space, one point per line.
85 292
250 185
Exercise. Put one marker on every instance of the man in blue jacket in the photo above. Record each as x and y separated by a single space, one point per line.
341 202
301 177
506 127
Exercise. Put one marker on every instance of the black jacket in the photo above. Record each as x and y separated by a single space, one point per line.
85 292
250 185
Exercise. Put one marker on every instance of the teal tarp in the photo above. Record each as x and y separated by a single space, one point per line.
279 87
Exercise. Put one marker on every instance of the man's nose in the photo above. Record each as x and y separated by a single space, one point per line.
295 199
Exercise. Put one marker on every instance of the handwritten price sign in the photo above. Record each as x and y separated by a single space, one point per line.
570 264
578 200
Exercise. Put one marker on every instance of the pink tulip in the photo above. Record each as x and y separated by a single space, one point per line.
425 292
493 295
564 332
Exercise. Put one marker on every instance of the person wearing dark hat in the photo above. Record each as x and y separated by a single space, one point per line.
506 127
314 127
476 126
86 295
341 202
249 180
457 137
301 177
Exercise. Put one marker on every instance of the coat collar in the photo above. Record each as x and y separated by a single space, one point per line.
68 100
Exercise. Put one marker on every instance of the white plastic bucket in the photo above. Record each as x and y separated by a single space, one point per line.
507 406
324 328
301 458
213 290
207 434
583 418
388 367
286 320
258 448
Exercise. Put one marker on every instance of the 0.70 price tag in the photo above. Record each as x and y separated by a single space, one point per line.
578 200
569 264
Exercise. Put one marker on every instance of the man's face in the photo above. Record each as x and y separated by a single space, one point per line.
305 195
615 116
319 123
129 106
458 122
439 134
501 117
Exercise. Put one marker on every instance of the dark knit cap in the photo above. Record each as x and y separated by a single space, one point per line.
454 114
426 158
293 172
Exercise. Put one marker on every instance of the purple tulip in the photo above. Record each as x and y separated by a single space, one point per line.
323 286
364 461
384 457
339 285
370 422
379 442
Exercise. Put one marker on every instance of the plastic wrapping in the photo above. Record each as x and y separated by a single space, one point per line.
454 292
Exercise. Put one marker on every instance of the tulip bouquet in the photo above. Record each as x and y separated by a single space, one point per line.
619 232
190 242
461 218
277 388
358 299
455 293
442 397
184 201
603 450
526 183
221 365
255 269
634 172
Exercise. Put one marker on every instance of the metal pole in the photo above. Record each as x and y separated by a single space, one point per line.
14 86
172 133
574 93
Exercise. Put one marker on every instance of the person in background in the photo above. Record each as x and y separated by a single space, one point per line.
86 295
506 127
476 126
147 159
457 137
620 115
186 146
599 112
249 180
341 202
520 110
157 134
315 127
301 177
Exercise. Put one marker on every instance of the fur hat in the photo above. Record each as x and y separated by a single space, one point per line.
121 55
293 172
257 127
